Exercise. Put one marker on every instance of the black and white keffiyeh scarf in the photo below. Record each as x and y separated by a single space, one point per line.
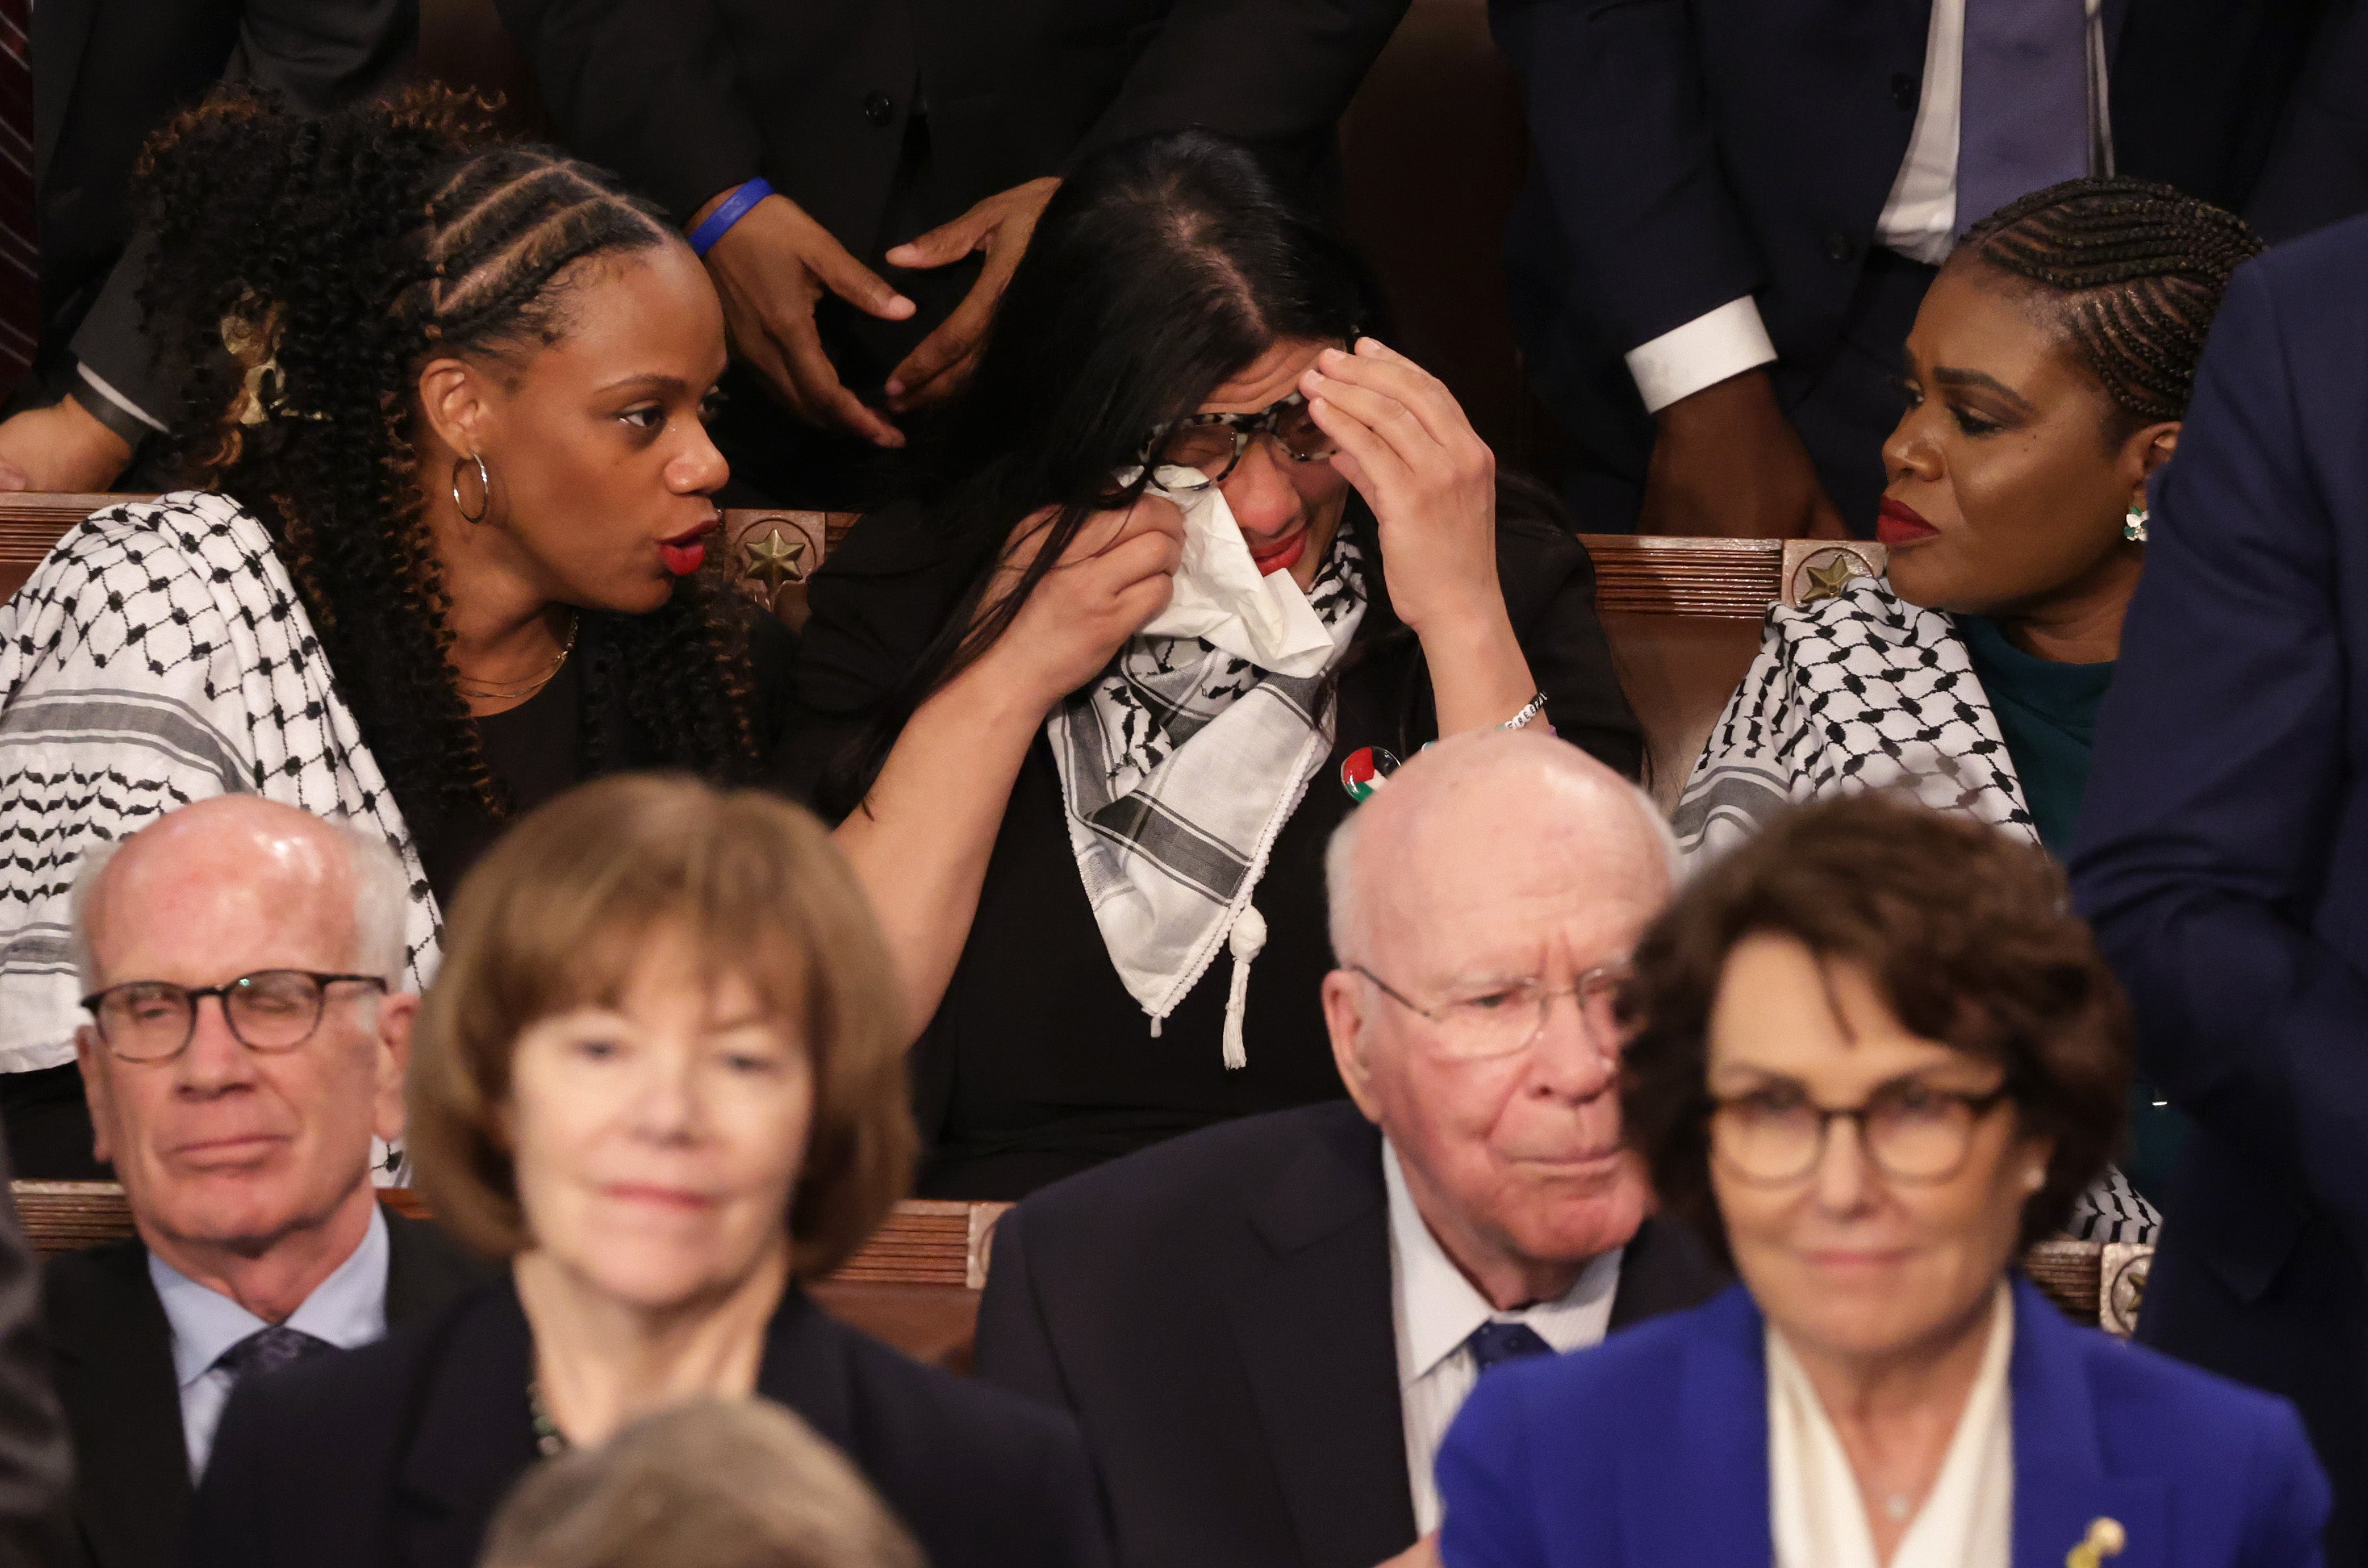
1862 691
1178 770
159 655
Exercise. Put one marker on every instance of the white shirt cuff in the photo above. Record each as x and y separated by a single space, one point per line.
1705 351
100 385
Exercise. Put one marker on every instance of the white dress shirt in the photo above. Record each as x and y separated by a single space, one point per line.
1814 1508
1436 1309
347 1310
1919 220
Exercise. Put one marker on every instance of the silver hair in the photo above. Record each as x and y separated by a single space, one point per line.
1341 889
382 899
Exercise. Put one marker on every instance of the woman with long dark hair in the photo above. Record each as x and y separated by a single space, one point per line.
446 483
1191 562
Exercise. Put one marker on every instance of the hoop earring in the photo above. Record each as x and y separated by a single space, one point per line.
484 486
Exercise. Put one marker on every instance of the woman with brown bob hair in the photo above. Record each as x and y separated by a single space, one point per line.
1873 1056
661 1078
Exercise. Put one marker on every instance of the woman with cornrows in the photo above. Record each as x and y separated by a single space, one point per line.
447 485
2046 378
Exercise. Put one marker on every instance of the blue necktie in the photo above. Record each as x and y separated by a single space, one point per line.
2023 121
267 1350
1494 1344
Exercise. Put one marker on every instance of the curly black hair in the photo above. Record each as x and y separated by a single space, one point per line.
370 240
2139 268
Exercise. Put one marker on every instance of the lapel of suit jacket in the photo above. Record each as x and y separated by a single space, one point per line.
1319 1349
112 1348
2060 1482
60 31
805 1367
470 1433
424 1270
1663 1269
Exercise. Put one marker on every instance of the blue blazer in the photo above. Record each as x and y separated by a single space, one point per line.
2223 849
1651 1449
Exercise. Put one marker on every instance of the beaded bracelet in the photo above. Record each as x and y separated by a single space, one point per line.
735 207
1528 715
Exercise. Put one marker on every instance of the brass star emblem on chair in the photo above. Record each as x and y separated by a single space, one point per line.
1827 580
775 560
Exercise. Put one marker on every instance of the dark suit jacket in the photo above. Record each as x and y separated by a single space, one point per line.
1654 1450
1217 1313
689 97
398 1454
1691 152
105 76
2223 852
111 1356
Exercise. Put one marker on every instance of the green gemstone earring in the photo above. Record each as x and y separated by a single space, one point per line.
2133 527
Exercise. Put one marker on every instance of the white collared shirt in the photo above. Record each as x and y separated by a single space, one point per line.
1919 220
347 1310
1435 1309
1816 1511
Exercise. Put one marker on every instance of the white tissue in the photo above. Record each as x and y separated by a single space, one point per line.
1220 595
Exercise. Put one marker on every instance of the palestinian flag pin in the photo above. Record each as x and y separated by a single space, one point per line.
1365 771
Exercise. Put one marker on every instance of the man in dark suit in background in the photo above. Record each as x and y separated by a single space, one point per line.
938 128
105 76
1734 207
1265 1328
2220 853
245 1045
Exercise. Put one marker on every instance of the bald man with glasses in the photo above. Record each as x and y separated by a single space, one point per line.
249 1033
1266 1327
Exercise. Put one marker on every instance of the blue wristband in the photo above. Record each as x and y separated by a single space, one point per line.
735 207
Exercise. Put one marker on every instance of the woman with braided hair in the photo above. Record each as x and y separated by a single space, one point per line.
2046 378
448 481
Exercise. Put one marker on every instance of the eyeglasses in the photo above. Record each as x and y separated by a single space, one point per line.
1504 1019
1911 1131
1213 443
272 1009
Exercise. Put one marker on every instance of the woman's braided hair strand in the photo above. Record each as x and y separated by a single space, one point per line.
382 235
2141 267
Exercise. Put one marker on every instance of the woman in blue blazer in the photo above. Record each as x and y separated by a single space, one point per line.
1874 1058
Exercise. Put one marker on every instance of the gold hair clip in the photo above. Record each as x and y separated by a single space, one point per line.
251 335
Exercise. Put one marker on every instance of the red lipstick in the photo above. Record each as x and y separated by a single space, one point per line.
1898 523
684 553
1277 557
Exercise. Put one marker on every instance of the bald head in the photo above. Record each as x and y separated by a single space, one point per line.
242 857
1484 809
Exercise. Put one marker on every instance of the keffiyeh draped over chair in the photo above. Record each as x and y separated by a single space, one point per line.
1865 692
159 655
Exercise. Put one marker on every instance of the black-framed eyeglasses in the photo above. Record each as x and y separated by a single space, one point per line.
1213 444
1911 1131
1506 1017
272 1009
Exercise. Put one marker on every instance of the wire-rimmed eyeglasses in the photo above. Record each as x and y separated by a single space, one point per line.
1506 1017
271 1009
1909 1131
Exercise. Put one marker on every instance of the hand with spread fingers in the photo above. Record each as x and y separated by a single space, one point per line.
999 226
1431 482
1115 575
772 267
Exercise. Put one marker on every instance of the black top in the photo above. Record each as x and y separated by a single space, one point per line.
535 750
1217 1313
111 1360
1038 1063
396 1456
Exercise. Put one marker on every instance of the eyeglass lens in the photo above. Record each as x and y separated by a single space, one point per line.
272 1010
1501 1021
1216 446
1910 1133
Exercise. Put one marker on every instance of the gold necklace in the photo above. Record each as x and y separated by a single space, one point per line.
470 686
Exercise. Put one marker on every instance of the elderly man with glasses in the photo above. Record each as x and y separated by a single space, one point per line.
247 1038
1266 1327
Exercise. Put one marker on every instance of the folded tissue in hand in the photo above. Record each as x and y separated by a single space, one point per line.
1219 593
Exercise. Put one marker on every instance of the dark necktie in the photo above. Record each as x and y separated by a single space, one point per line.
267 1350
20 279
2023 119
1494 1344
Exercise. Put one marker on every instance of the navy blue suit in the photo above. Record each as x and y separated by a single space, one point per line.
2223 852
1688 152
1651 1449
